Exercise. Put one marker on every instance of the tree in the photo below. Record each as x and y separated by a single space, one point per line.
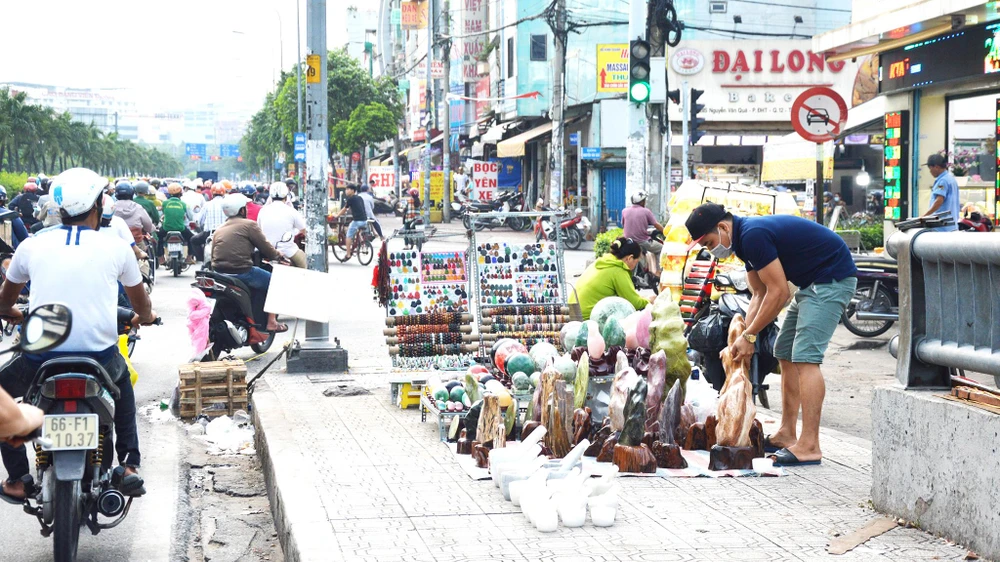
368 124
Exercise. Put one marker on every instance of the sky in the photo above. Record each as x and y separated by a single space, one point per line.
173 53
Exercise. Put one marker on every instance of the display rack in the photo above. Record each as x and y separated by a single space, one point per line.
519 289
428 310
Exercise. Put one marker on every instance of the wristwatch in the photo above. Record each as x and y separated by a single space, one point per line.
752 338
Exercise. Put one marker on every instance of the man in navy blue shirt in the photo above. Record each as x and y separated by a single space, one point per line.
778 249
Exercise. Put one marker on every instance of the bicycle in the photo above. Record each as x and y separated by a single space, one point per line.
362 242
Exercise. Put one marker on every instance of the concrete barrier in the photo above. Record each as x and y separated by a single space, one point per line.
936 463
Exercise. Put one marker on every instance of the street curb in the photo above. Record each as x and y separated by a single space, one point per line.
300 519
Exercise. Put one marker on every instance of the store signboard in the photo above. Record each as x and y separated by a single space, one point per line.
896 170
382 179
612 68
414 15
485 178
966 53
757 80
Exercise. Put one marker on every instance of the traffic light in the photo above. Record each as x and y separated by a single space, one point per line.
638 71
674 96
694 122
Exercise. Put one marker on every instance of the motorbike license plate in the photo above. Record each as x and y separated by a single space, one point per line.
174 248
72 432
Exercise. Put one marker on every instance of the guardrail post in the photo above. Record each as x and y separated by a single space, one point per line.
910 371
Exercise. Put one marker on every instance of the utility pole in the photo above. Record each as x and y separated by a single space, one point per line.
636 144
446 90
654 152
429 97
298 83
396 50
316 354
558 179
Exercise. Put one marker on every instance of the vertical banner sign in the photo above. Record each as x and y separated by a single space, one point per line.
996 194
382 179
895 173
485 177
473 21
482 92
612 68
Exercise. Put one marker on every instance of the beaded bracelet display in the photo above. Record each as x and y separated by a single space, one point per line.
530 318
436 318
522 310
427 349
451 362
525 327
405 329
446 338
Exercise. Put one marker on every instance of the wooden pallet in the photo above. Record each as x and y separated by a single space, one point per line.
213 388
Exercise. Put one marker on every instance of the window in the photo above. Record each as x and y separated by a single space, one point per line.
510 57
539 47
717 7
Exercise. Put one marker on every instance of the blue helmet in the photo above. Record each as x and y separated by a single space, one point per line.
124 190
248 190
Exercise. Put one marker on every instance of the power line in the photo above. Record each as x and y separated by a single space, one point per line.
747 33
540 15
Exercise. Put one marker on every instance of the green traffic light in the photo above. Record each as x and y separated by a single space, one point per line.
639 92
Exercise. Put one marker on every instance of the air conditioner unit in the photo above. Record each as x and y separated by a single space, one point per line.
718 7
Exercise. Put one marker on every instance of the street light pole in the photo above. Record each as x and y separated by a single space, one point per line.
298 82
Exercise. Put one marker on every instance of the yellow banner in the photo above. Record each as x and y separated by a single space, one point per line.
414 15
612 67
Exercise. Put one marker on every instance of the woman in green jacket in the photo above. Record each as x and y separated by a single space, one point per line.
611 275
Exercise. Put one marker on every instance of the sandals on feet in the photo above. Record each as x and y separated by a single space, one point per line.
132 485
784 457
29 488
282 328
769 447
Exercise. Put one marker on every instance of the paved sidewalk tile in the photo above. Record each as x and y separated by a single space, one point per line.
389 490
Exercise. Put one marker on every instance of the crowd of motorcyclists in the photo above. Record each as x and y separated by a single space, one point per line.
104 233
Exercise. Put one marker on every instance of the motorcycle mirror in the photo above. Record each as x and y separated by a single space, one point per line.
723 281
46 327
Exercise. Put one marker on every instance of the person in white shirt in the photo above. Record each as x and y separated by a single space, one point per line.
211 219
462 184
369 199
278 219
195 201
76 266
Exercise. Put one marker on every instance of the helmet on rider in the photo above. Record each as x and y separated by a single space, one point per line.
141 187
248 190
3 196
414 193
124 190
291 183
108 211
188 185
232 203
43 183
33 179
218 190
31 187
154 183
228 185
279 190
639 197
76 191
174 189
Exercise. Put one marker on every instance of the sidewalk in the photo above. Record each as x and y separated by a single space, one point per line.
355 478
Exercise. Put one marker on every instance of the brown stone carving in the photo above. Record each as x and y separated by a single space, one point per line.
697 439
529 426
730 458
464 445
757 439
597 441
607 453
481 454
634 459
668 455
711 433
581 425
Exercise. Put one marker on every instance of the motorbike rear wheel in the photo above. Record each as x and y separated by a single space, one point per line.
518 224
175 266
467 221
66 523
263 346
881 300
573 238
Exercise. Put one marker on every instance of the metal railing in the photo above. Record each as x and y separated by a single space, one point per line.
949 305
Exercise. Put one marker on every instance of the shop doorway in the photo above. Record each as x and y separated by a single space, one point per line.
613 180
972 147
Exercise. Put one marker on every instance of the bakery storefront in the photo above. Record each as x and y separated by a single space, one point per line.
749 87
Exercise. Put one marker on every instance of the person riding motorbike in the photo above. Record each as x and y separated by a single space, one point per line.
147 201
636 219
24 203
253 208
610 275
277 219
134 215
48 208
232 253
176 217
212 218
19 233
195 201
97 263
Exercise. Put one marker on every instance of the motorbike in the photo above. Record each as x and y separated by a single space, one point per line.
175 255
235 322
508 201
874 308
384 205
709 335
76 484
573 229
642 277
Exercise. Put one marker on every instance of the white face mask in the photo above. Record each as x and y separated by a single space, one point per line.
722 252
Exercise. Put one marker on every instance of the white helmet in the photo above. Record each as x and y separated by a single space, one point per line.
232 203
279 190
638 197
76 190
109 207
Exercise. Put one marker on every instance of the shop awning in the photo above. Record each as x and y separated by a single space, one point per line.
514 146
495 133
